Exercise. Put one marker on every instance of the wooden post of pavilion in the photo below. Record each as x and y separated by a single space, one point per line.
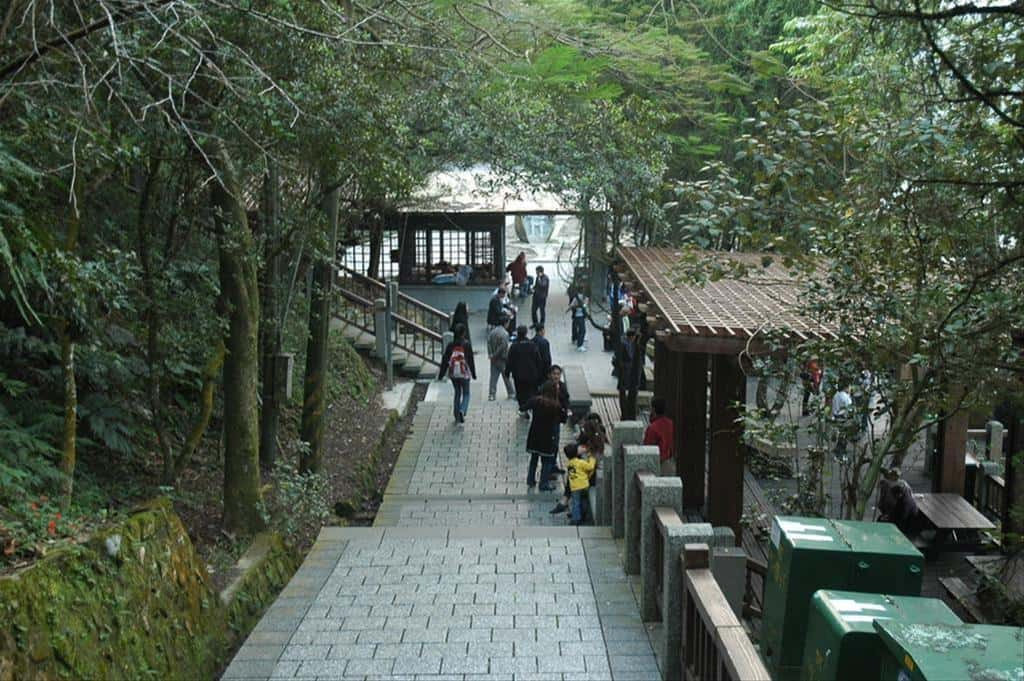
952 447
725 474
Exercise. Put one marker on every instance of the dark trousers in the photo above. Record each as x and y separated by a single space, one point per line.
538 311
524 391
547 466
579 330
627 404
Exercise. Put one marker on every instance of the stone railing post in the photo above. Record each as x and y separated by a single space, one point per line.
994 441
380 325
673 540
663 494
729 567
623 433
636 459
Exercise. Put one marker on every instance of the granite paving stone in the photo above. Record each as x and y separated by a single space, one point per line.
465 576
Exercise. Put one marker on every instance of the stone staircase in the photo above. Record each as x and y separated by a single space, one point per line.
405 364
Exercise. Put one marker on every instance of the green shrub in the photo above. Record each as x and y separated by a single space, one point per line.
297 505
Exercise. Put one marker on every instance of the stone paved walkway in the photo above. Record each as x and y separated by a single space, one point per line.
465 576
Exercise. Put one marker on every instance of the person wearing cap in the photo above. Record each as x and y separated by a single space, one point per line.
497 352
538 308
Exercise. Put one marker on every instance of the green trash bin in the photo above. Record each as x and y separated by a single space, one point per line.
937 652
842 643
808 554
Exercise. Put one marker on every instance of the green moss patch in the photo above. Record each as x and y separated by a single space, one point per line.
134 602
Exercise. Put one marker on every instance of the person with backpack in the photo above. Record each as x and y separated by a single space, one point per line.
457 362
524 364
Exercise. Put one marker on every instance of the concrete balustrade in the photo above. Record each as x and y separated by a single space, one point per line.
623 433
637 459
664 494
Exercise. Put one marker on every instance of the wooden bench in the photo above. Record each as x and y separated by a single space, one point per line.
949 514
579 392
964 596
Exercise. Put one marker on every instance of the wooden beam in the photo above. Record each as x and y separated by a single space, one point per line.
725 462
722 345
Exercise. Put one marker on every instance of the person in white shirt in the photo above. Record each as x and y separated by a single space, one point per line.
842 410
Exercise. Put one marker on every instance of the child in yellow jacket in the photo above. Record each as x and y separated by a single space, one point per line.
579 468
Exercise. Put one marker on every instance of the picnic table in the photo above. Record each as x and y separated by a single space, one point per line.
949 514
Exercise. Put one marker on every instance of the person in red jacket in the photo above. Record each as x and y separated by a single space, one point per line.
517 268
661 432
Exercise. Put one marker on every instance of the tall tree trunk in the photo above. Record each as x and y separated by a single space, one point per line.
270 323
239 286
69 437
313 404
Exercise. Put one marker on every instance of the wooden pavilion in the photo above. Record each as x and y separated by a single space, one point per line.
701 334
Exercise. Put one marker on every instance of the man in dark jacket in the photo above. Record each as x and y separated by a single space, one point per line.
544 347
495 308
630 364
524 364
538 308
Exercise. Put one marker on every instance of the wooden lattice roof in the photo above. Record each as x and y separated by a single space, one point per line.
727 309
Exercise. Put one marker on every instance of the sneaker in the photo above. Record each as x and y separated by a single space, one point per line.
524 414
490 398
558 508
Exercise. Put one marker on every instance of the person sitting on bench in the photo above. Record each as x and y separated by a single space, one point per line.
896 503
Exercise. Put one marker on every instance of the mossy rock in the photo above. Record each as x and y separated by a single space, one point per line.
144 609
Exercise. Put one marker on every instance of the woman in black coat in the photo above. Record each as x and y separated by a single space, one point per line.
460 316
524 364
542 440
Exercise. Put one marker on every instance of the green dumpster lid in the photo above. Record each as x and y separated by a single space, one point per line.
866 537
817 533
856 611
978 652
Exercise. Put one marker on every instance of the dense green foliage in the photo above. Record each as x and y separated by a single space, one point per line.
172 172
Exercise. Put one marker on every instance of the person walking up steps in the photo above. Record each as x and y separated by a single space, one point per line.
497 352
457 362
538 308
542 440
524 364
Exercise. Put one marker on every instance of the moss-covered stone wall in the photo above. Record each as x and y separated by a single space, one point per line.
134 602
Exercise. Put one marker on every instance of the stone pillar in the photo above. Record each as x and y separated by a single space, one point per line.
666 496
637 459
725 474
607 499
724 536
380 325
673 537
729 566
623 433
994 440
689 413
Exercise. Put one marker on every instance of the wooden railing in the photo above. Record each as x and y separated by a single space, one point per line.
995 495
753 595
715 644
418 328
